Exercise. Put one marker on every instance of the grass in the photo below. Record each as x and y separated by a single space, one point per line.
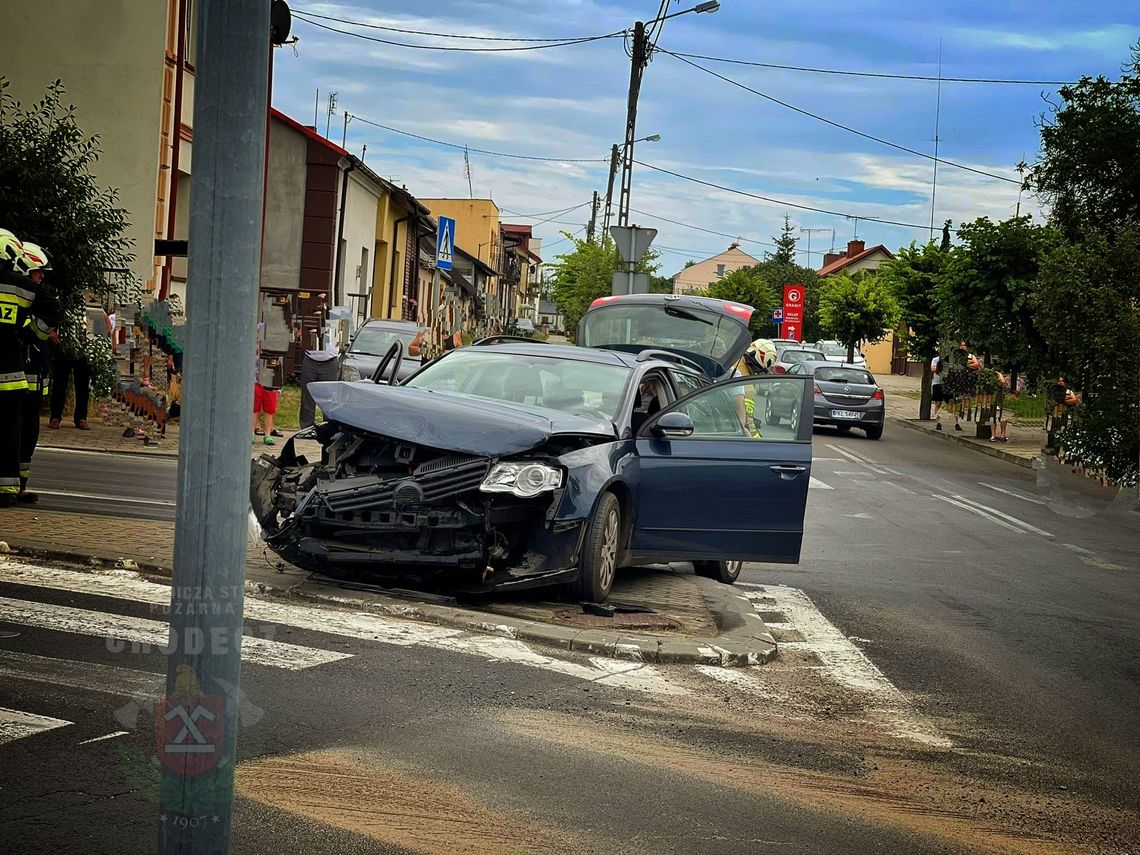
1027 407
289 408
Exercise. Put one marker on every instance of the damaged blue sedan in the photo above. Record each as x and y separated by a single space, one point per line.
511 464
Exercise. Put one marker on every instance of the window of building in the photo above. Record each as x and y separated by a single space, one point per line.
720 270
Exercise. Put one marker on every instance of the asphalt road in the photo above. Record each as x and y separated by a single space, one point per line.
118 485
960 672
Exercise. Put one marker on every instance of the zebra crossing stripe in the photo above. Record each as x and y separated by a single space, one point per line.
16 725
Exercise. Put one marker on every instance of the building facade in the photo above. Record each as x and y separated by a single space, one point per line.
697 277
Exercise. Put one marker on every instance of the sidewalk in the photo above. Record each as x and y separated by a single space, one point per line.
694 620
1025 439
108 420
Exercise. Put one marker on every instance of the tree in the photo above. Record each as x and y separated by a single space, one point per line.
747 285
1089 167
660 284
914 277
49 195
854 311
988 286
785 244
586 273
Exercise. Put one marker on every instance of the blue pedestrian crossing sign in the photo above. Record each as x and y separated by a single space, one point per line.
445 243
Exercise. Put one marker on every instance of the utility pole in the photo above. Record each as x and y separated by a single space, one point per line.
344 133
638 60
808 233
937 123
593 219
198 718
610 193
331 112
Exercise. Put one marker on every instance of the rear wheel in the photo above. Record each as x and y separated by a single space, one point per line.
723 571
874 432
769 414
598 564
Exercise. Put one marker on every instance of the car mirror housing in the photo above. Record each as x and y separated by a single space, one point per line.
675 425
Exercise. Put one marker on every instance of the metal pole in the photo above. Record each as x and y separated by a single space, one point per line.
198 748
610 193
344 133
316 108
593 219
632 260
637 65
937 123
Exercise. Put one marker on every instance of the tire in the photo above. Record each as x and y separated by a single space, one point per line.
726 572
875 432
769 414
598 563
794 419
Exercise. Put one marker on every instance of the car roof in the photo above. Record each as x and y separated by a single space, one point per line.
815 364
386 323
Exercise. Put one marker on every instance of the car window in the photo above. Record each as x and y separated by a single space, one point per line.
833 348
685 328
569 385
796 369
687 383
844 375
793 356
731 411
376 340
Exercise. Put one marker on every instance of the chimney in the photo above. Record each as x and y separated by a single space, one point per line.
734 245
854 247
831 257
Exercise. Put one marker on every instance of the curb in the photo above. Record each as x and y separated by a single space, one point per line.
745 640
124 451
1024 462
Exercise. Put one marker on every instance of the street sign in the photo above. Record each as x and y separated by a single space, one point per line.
632 242
777 316
445 243
793 312
621 283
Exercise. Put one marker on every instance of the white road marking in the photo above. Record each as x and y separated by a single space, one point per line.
16 725
862 515
351 624
980 513
819 485
101 738
1091 558
150 458
748 680
865 461
1017 494
103 498
259 651
844 663
900 488
88 676
1004 516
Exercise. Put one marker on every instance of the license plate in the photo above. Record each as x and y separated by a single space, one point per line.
845 414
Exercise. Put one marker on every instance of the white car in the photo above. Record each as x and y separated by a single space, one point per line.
835 351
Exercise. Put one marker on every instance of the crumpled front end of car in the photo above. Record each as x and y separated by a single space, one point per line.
385 510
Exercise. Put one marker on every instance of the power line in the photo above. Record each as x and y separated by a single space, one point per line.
839 125
544 213
307 13
390 129
556 214
739 238
777 201
877 74
546 246
313 23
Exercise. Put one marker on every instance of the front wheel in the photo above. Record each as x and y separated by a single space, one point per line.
769 413
726 572
598 564
875 432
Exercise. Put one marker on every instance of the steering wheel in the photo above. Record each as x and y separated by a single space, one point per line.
395 356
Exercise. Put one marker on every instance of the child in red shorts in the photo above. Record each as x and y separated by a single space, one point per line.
264 404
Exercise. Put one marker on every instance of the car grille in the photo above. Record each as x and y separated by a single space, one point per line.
431 483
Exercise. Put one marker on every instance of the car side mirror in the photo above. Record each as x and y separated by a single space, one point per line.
674 425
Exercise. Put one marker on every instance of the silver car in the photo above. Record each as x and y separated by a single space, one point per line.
836 351
846 396
370 344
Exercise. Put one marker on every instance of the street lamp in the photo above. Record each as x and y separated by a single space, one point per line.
639 58
613 171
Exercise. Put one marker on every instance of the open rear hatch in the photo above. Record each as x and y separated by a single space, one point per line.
712 333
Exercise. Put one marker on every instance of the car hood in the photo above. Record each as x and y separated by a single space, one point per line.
448 421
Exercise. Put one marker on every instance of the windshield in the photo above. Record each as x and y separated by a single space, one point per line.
568 385
844 375
834 348
687 328
377 340
791 357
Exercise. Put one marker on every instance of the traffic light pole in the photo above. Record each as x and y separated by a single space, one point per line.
198 717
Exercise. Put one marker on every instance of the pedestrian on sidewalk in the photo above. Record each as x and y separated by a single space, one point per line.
1000 430
937 390
36 333
317 365
265 398
70 362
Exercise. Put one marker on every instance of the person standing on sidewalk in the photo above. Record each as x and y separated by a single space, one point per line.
36 333
317 365
97 322
265 399
937 391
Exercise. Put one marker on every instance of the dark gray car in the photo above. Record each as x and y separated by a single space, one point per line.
846 396
370 344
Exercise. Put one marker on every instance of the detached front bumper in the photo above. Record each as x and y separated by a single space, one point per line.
439 532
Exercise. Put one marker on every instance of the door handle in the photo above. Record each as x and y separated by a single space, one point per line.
788 472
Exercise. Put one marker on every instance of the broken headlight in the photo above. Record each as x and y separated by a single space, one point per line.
522 479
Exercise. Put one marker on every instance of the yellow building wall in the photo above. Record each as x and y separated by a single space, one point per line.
476 224
878 355
387 291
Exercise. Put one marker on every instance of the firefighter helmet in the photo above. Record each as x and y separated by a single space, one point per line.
760 356
34 259
11 250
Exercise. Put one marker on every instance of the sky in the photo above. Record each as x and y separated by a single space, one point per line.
569 102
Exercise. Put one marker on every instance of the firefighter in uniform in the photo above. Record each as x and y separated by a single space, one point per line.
18 300
36 333
758 359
